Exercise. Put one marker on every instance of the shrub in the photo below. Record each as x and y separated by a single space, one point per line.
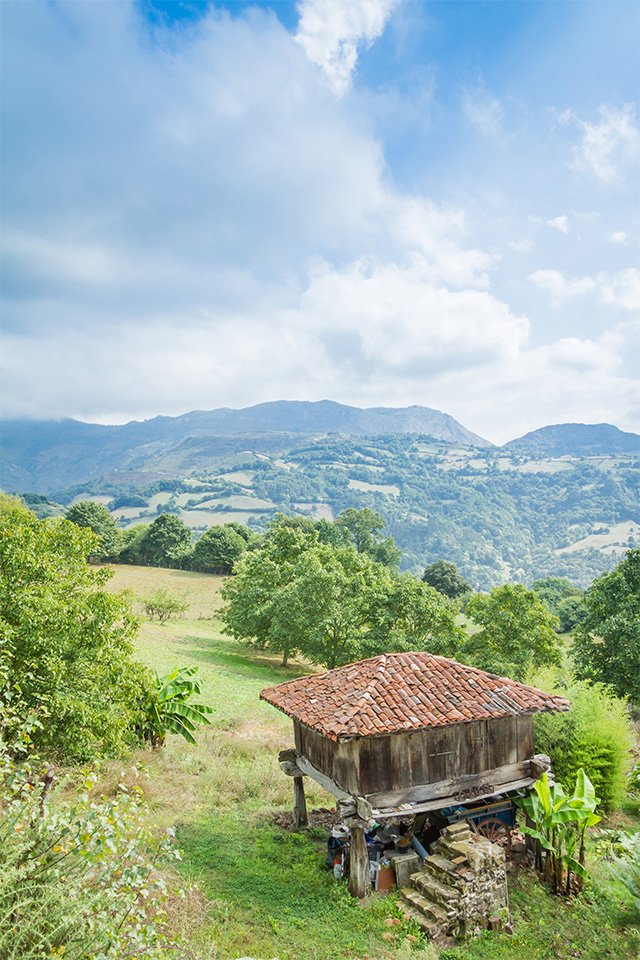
626 868
78 878
162 604
594 734
79 881
66 641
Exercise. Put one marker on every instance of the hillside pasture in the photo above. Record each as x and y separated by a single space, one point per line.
613 539
262 890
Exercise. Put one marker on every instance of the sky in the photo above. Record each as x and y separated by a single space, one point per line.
379 202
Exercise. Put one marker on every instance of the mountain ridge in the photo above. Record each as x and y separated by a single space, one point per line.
575 439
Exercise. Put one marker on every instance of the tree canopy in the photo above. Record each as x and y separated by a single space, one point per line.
96 517
166 542
333 604
66 640
607 642
218 549
444 577
517 632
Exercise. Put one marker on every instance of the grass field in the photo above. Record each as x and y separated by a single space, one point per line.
261 891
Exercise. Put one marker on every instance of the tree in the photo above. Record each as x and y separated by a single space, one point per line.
517 632
132 540
162 604
96 517
168 710
444 577
217 550
166 543
563 599
260 575
607 642
410 615
67 641
362 529
332 604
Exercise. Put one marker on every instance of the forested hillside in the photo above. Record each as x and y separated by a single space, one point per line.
497 514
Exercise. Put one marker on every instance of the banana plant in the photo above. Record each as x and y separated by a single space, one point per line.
558 824
168 710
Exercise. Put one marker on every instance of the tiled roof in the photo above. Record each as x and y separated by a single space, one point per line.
398 692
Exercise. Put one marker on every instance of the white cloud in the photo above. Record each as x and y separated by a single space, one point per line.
561 287
520 246
609 145
618 236
483 112
197 221
560 223
331 31
620 290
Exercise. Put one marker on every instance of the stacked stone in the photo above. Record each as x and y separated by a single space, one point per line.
461 888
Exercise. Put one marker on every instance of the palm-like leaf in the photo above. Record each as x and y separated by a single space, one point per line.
170 712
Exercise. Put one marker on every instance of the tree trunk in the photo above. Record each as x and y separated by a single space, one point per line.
300 818
285 658
359 882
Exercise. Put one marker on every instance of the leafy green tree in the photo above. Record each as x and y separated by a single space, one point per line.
363 530
68 642
445 577
95 516
132 540
217 550
563 599
517 632
166 542
607 642
570 612
260 575
296 594
163 604
410 615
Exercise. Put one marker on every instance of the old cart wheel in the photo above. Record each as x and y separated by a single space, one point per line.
495 830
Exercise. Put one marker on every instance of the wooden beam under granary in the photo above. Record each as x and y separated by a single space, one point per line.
405 733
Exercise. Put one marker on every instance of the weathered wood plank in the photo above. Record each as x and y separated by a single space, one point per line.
308 770
409 810
484 781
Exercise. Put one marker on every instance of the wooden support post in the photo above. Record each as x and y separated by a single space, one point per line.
299 803
359 882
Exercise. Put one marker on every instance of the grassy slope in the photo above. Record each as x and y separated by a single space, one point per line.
265 890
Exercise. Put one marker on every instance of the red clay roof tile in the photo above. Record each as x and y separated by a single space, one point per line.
398 692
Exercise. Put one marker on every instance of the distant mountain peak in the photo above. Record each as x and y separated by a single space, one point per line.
576 439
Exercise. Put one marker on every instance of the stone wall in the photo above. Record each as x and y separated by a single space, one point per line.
461 888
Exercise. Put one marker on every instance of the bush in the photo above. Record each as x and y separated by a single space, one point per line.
79 881
162 604
66 641
594 734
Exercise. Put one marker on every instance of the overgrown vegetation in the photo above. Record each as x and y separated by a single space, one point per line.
79 877
69 642
264 891
594 735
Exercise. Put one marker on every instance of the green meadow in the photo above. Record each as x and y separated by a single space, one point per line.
255 889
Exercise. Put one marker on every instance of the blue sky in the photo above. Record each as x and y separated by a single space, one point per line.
382 202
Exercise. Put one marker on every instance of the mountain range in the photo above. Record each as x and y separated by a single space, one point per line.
563 500
46 456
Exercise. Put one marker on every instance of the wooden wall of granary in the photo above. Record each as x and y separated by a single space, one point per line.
366 765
